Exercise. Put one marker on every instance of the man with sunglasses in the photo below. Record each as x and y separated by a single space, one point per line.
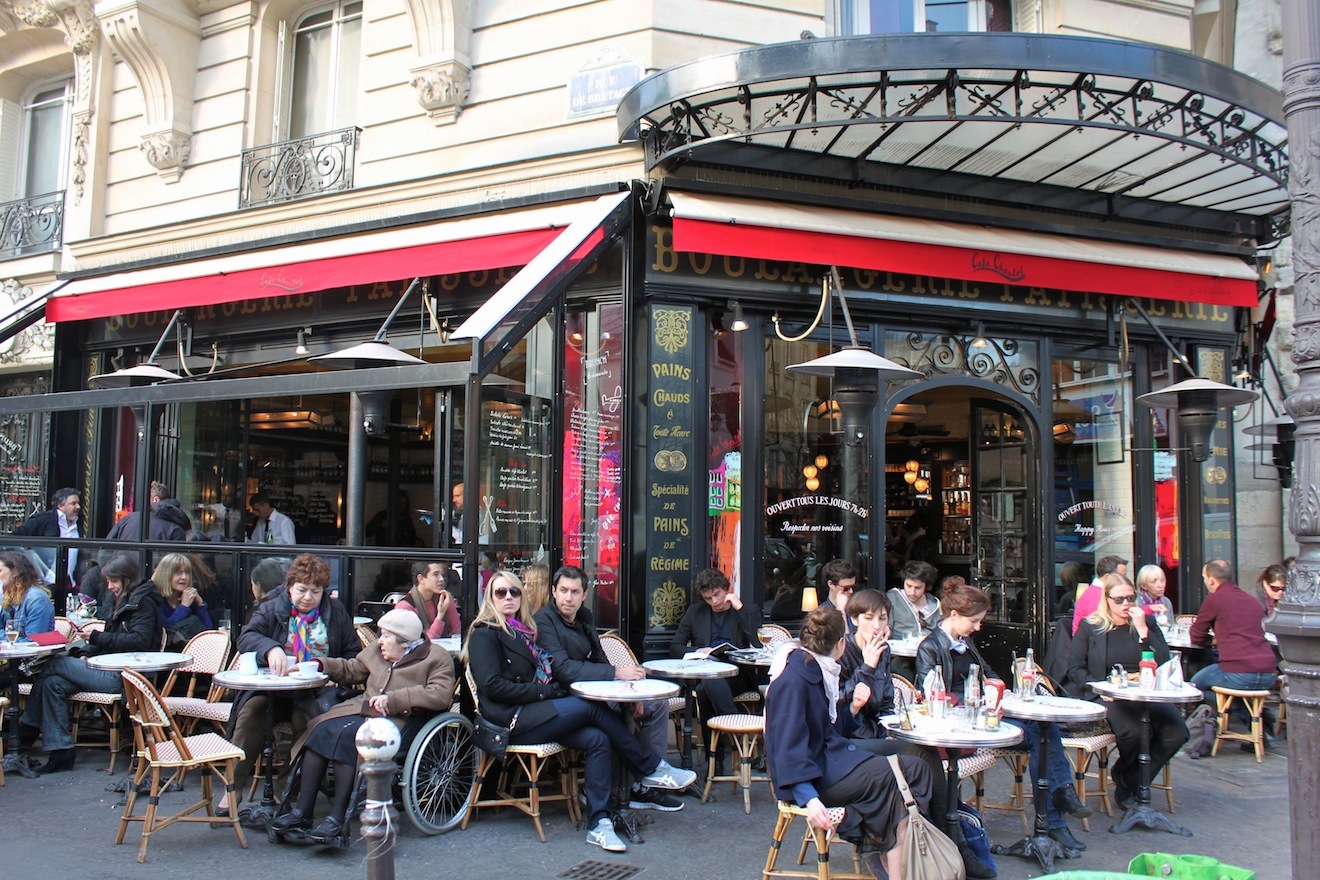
1246 660
566 629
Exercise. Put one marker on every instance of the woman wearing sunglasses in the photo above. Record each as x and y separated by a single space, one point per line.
515 689
1118 632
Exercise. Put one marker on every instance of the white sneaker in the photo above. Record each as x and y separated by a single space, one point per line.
604 837
665 775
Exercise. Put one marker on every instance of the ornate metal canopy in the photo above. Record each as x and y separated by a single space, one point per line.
1102 126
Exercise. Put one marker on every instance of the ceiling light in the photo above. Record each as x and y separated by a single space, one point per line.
979 340
273 419
301 347
739 322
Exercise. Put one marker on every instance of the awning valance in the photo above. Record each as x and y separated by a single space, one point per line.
488 241
824 236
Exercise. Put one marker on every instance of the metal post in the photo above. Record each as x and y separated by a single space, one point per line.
1297 623
355 496
377 744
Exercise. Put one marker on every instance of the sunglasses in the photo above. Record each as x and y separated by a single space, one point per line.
506 592
1129 599
1274 586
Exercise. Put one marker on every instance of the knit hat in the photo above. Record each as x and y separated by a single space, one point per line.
404 624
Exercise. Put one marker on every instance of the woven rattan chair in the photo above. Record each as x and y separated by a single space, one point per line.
788 813
213 707
164 754
746 731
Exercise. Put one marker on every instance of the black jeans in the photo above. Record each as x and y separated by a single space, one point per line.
1168 732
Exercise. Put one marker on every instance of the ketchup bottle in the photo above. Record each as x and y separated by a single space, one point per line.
1146 676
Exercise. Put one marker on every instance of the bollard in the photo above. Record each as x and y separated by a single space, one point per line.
377 743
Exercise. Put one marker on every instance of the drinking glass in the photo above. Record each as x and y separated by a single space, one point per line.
765 636
11 631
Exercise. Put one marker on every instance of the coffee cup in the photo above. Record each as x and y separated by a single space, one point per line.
247 663
309 667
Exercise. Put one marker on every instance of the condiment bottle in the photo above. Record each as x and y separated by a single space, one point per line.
1146 675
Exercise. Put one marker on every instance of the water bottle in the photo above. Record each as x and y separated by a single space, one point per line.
972 687
1029 677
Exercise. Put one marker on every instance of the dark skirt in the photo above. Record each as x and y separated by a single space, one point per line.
334 738
874 805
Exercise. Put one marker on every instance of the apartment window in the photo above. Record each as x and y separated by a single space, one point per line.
857 17
324 83
45 139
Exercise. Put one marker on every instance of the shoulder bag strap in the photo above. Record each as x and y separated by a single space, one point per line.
903 785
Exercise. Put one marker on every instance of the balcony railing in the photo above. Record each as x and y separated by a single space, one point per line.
31 226
299 168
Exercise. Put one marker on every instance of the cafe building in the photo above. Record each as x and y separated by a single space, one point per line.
1032 231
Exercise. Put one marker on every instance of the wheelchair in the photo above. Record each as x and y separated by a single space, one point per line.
437 770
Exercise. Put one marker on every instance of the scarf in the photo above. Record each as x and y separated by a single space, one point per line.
302 643
542 658
829 667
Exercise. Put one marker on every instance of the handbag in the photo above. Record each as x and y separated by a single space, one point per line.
975 835
490 737
927 852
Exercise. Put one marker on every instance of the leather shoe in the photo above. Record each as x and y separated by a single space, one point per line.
1064 836
1066 801
59 761
294 820
331 828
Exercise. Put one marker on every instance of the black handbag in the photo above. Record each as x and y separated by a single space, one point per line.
490 737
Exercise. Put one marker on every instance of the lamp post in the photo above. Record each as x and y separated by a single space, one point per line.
1297 623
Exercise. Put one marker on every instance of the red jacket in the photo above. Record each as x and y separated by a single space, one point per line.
1236 618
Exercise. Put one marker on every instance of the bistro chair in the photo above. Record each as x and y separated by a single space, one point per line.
212 707
65 627
366 635
161 747
108 705
788 813
531 760
1254 701
746 731
209 650
619 653
776 633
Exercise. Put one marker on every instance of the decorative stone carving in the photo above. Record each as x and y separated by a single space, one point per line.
34 345
168 153
442 89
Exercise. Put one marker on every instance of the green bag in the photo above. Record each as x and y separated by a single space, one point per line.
1188 867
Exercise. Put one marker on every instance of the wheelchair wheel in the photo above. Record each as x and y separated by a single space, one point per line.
439 773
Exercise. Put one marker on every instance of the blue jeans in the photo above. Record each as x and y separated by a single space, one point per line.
1059 772
48 706
1214 676
597 731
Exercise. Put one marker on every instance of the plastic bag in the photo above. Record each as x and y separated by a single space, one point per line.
1186 867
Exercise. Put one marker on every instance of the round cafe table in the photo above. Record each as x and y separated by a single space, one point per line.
1046 710
642 691
954 740
264 681
1143 813
139 661
689 672
16 654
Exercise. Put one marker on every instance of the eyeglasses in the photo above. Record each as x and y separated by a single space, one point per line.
1278 587
506 592
1129 599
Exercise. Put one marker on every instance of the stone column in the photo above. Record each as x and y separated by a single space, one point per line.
1298 621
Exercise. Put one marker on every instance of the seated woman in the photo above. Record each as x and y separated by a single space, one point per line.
814 765
1118 632
950 649
300 622
183 611
132 624
513 678
26 603
867 692
407 678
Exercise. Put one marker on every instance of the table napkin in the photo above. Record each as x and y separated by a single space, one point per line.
1169 676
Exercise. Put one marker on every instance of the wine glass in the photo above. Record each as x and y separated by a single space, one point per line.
765 635
11 632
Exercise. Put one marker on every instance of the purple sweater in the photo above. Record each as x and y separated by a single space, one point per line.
1236 619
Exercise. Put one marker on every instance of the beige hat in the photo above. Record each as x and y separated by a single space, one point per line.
404 624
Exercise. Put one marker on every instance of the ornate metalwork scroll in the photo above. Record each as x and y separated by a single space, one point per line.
1006 362
299 168
32 226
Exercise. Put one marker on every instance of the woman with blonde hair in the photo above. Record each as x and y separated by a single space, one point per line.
516 689
1118 632
536 586
183 613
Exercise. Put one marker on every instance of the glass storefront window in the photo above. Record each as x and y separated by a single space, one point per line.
593 410
1093 510
724 474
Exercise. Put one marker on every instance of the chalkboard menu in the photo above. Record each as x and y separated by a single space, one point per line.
670 396
513 512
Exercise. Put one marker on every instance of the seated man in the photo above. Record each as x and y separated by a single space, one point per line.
567 632
430 601
719 618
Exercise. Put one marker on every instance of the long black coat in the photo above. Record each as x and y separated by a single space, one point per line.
575 650
504 673
132 625
46 525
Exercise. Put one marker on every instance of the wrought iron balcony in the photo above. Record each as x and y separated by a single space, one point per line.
31 226
298 169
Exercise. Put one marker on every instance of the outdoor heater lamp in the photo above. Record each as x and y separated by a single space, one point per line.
376 353
145 373
1198 402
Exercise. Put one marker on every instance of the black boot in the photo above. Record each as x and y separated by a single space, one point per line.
1064 836
1066 801
59 761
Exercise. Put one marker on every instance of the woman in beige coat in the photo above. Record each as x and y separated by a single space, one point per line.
407 678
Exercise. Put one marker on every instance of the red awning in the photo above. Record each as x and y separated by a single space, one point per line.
485 242
822 236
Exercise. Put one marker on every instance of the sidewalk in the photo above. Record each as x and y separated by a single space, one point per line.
65 825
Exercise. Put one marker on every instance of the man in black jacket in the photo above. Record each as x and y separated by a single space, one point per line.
132 624
567 632
719 618
63 520
168 521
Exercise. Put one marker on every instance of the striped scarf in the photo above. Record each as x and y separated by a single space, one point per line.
302 643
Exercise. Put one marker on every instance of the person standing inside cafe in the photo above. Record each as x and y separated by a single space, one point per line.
430 601
272 526
63 520
566 630
1246 660
721 617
